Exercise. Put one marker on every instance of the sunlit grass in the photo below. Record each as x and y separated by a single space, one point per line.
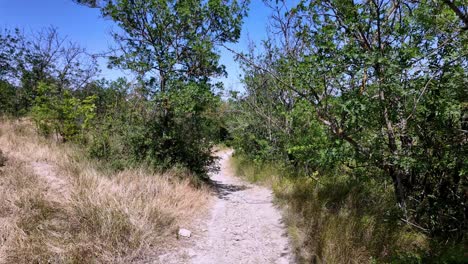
337 219
79 214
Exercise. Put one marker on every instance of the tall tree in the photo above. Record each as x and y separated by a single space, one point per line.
172 46
44 56
388 78
167 40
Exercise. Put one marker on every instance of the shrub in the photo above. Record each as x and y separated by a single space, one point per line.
58 112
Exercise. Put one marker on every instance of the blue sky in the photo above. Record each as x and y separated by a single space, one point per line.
86 26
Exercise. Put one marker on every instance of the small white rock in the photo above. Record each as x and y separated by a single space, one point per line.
184 232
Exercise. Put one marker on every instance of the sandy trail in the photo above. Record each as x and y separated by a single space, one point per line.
243 227
56 184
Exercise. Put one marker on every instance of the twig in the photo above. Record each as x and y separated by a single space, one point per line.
415 225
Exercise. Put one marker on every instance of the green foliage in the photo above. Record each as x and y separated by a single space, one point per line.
167 119
374 91
61 113
10 50
128 132
174 40
352 101
7 98
43 56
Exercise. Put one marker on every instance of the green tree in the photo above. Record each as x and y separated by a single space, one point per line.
387 80
174 40
172 47
60 113
43 56
10 50
7 98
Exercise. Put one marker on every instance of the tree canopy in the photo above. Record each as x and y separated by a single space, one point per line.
366 85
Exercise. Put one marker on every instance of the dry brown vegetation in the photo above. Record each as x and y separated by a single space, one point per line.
58 208
337 220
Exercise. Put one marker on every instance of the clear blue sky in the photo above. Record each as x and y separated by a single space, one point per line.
86 26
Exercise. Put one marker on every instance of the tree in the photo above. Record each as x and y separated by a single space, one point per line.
11 48
51 57
7 98
174 40
385 78
44 56
172 47
58 112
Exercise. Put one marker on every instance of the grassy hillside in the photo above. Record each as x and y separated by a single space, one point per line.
59 208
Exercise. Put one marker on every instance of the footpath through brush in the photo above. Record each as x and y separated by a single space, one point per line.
243 226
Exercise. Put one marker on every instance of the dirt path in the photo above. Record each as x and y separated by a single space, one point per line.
57 185
244 226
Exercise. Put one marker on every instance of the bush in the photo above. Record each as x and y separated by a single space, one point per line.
176 128
7 98
59 112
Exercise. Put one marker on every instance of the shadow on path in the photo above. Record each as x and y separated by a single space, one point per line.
222 190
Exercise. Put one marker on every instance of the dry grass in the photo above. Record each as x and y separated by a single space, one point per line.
264 174
338 220
341 221
59 209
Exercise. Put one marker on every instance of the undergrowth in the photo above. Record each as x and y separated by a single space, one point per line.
344 219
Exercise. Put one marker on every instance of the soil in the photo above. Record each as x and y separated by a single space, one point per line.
243 225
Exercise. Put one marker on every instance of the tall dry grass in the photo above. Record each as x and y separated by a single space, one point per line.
57 208
339 219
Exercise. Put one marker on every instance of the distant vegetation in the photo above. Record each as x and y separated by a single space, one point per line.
355 112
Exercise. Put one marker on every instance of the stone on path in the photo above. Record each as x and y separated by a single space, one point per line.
184 232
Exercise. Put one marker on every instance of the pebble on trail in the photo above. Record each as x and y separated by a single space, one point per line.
184 233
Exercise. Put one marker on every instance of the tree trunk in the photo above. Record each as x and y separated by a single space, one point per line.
398 183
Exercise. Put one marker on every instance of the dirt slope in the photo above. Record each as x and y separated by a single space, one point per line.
56 207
